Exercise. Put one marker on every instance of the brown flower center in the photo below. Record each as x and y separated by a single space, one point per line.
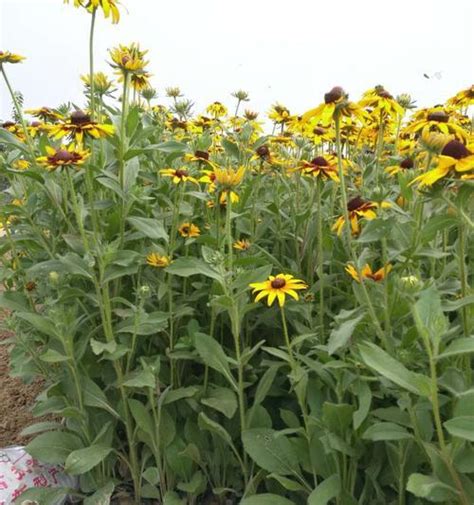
319 131
78 117
455 149
62 155
439 117
407 163
202 155
320 161
278 283
355 203
333 95
181 173
263 151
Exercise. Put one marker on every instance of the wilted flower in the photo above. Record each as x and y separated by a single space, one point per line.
367 273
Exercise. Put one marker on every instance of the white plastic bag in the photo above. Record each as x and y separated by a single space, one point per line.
19 472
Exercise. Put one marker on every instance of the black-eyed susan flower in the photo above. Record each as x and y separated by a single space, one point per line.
128 59
242 244
80 125
277 287
405 164
226 180
178 175
62 157
216 109
189 230
437 119
8 57
279 114
103 86
324 167
463 99
45 114
20 164
335 101
381 102
157 260
357 208
108 7
140 81
199 156
455 159
367 273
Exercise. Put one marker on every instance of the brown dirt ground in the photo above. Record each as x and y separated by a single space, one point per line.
16 399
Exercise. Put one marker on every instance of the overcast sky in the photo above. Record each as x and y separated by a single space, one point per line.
277 50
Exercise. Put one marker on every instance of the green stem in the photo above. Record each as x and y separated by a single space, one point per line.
320 259
91 63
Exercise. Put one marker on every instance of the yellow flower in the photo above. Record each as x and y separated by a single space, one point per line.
241 245
109 7
140 81
464 98
189 230
357 208
455 159
381 102
277 287
20 164
228 177
62 157
45 114
128 59
279 114
334 101
178 175
367 272
8 57
405 164
79 125
322 166
102 84
437 119
158 261
216 109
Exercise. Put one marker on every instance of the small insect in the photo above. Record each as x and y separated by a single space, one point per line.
436 75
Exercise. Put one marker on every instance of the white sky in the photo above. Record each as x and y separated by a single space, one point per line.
277 50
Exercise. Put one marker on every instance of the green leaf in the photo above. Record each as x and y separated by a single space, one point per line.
14 301
53 447
266 499
271 450
205 423
52 356
142 417
180 393
152 475
265 384
185 267
39 495
102 496
213 356
427 486
364 396
389 367
429 317
83 460
222 400
341 335
40 323
326 491
458 347
386 431
140 379
94 396
461 427
151 228
172 498
290 484
170 147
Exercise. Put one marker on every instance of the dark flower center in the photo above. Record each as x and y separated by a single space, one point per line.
79 117
202 155
125 59
278 283
319 131
384 94
320 161
181 173
455 149
185 229
333 95
263 151
63 155
407 163
355 203
7 124
35 124
440 117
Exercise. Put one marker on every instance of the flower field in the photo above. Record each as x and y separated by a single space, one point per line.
236 307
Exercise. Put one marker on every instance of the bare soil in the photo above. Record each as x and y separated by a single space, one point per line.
16 400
